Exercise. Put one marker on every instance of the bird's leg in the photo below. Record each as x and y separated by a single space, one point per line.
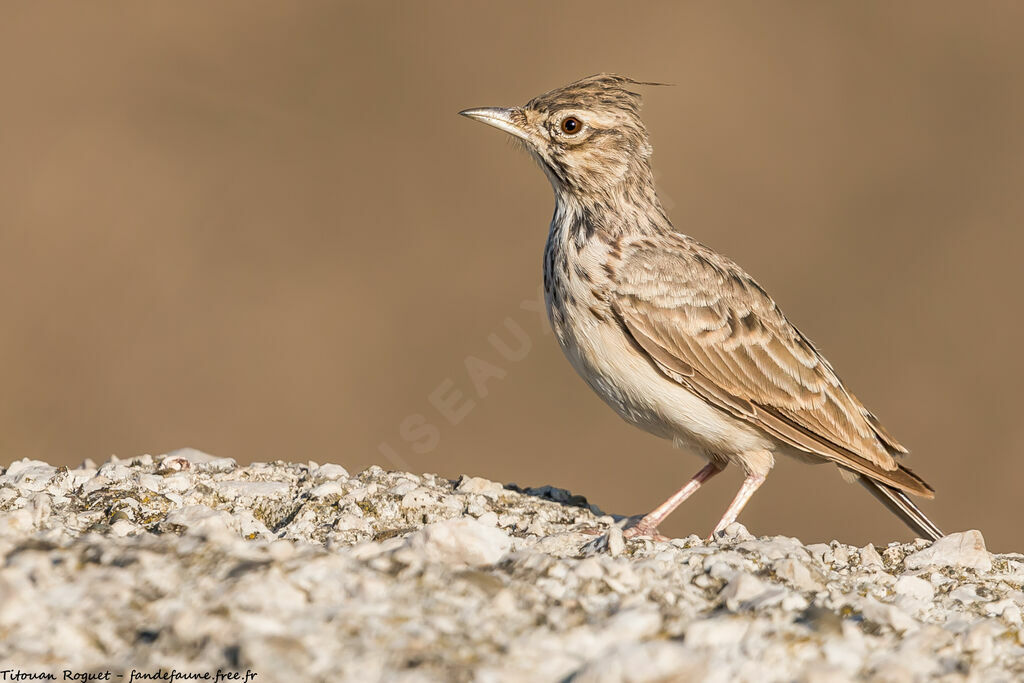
648 526
750 484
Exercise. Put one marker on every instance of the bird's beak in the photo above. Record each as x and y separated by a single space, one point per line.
499 118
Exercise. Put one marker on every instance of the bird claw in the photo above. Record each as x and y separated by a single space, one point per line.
640 530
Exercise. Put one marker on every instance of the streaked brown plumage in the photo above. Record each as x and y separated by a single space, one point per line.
677 338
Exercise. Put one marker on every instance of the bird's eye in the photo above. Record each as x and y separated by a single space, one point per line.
571 125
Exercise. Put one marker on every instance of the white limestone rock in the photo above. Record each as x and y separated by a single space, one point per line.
485 487
459 542
302 571
964 549
914 587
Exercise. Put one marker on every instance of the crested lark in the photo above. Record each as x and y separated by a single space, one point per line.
675 337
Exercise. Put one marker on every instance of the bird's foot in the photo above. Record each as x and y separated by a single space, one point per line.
611 539
640 530
733 531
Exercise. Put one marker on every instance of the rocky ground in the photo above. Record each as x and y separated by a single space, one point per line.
186 564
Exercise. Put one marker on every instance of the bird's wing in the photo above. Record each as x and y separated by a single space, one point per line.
706 324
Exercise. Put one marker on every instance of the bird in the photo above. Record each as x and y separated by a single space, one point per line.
676 338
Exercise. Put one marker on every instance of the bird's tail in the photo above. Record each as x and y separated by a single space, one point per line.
900 504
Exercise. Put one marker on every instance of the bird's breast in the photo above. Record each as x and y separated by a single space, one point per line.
576 285
577 288
578 282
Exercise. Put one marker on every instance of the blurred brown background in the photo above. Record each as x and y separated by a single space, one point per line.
260 229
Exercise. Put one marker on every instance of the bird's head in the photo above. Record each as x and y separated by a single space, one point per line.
587 136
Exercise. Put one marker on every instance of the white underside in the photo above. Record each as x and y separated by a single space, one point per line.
643 396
